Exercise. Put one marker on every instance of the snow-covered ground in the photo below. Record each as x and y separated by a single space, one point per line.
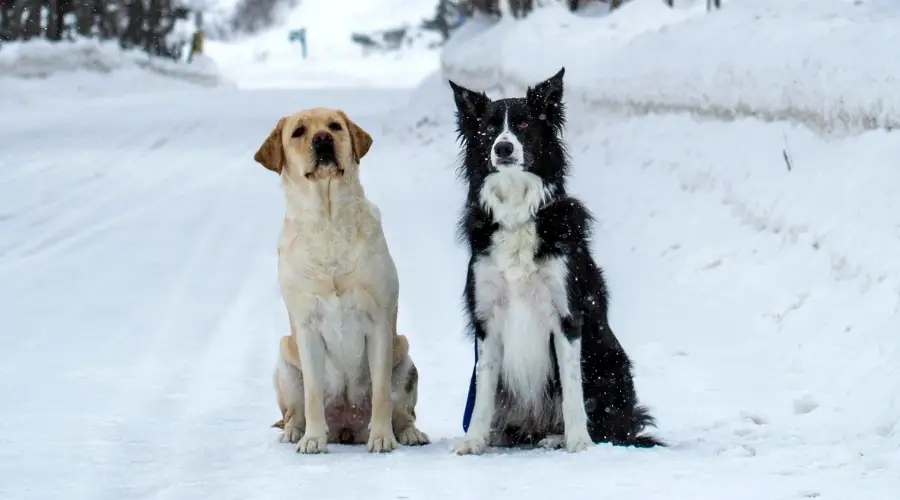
139 311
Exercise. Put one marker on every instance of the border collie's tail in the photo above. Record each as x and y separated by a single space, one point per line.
642 419
645 441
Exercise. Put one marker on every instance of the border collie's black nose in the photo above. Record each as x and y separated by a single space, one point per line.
503 149
321 138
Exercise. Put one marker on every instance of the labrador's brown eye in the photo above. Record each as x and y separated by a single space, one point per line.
299 131
335 126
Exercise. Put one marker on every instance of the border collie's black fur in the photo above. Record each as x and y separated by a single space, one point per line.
516 163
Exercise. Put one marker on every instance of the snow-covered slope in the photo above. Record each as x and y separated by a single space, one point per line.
268 60
819 62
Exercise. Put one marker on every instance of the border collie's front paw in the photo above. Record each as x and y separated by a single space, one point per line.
578 442
552 442
470 445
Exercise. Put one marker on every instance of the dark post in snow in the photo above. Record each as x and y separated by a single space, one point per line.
56 18
521 8
491 7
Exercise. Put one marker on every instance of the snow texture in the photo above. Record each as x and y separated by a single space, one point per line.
140 314
823 63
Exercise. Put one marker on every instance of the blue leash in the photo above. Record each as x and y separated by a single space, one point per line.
470 400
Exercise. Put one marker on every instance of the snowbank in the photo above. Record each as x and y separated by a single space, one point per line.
41 59
823 63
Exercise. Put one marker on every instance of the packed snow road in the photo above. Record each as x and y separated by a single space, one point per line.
139 309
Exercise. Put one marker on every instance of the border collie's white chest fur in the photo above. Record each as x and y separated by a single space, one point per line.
518 298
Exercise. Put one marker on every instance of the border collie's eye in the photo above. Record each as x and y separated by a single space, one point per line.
335 126
522 125
491 129
299 131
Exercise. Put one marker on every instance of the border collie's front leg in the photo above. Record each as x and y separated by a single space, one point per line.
487 377
567 343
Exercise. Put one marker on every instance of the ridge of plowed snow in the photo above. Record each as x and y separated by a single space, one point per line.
35 59
821 63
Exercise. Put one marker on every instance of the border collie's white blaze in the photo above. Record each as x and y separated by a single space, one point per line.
550 371
507 150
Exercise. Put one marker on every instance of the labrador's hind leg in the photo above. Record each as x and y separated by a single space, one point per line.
288 381
405 393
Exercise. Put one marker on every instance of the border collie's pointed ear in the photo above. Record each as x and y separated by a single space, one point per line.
469 104
546 97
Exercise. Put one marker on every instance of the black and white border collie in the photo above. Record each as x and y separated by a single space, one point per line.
549 371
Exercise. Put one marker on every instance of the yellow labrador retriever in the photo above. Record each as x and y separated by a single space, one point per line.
343 375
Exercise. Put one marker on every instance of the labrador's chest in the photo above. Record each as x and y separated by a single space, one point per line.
321 251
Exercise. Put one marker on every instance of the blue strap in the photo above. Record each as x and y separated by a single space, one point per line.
470 400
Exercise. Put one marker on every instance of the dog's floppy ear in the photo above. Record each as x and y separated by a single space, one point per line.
271 153
546 98
470 105
360 140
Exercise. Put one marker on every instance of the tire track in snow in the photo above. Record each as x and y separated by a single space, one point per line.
231 377
168 353
57 243
104 191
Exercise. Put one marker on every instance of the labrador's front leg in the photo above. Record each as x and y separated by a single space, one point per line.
380 348
311 348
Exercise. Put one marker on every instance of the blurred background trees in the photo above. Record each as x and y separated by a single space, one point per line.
142 24
521 8
149 24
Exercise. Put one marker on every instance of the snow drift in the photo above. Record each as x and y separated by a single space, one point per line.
41 59
823 63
